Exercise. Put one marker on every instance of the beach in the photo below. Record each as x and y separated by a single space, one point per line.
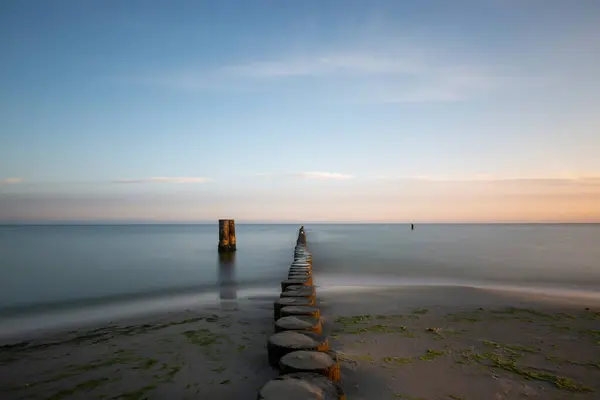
394 343
163 238
467 343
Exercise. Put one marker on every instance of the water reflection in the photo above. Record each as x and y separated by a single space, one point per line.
227 283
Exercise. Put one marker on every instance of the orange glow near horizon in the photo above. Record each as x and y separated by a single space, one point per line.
549 200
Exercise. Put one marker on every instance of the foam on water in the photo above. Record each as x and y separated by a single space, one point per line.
100 314
105 313
348 284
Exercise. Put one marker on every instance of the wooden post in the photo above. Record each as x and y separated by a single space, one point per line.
289 341
232 234
226 235
301 236
307 367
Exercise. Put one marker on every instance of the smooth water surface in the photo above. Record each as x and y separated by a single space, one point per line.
63 264
46 268
537 255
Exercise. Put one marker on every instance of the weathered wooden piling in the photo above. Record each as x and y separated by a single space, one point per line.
295 281
297 287
299 291
310 311
286 342
309 279
301 236
290 301
303 385
227 241
324 363
299 270
308 368
305 272
305 294
301 274
299 323
301 264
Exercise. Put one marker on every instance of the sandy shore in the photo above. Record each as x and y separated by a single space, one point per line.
465 343
403 343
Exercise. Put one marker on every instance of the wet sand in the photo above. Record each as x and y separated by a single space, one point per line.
466 343
209 352
402 343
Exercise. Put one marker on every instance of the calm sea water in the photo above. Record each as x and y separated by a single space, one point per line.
48 268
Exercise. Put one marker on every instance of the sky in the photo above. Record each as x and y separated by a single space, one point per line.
305 111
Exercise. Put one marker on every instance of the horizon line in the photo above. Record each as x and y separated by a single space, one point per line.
245 222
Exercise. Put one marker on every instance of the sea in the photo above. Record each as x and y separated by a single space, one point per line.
55 276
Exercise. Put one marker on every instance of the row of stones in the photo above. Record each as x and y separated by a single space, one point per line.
308 368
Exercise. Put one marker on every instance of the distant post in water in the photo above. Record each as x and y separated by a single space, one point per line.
226 235
301 236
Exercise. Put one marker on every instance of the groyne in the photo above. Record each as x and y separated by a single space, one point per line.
298 349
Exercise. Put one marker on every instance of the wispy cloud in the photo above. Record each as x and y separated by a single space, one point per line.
165 180
399 76
321 65
323 175
459 178
592 180
11 181
310 175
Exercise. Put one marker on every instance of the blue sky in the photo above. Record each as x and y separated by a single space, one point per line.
301 111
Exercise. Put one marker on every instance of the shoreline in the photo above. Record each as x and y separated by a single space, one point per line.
18 327
384 336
